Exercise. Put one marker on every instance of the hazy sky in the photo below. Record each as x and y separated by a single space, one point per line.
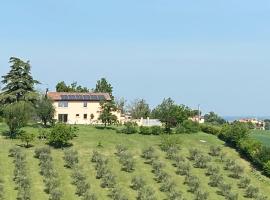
213 52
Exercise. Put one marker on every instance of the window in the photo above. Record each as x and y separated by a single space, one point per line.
85 104
63 104
77 115
63 118
85 116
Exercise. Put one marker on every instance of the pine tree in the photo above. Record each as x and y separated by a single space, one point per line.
19 83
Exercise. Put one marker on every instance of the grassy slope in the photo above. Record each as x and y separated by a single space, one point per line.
88 139
262 136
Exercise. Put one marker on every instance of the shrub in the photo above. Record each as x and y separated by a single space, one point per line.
193 153
229 164
193 183
127 161
61 134
210 129
149 153
201 161
108 180
146 193
157 166
42 150
162 176
156 130
27 137
215 151
172 152
96 156
183 168
145 130
168 141
129 128
266 168
215 180
236 171
231 196
252 192
224 188
137 183
89 196
244 182
261 197
71 158
118 194
178 160
174 195
201 195
42 133
187 126
56 194
120 149
211 170
167 186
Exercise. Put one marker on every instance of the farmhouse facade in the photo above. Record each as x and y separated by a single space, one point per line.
79 108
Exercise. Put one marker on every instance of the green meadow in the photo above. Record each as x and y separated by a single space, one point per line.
105 141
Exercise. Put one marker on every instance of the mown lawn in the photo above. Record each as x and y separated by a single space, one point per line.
262 136
88 140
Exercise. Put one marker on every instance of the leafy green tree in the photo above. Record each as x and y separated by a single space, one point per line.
139 109
103 86
233 133
106 115
45 110
19 83
17 116
61 134
27 137
73 87
213 118
170 113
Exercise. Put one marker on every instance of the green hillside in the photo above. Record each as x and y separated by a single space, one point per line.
88 140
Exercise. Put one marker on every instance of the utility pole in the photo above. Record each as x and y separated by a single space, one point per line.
199 113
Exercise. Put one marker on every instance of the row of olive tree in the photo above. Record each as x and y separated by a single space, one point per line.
47 170
21 176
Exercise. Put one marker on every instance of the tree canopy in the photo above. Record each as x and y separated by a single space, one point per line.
139 109
73 87
170 113
17 115
45 110
104 86
18 83
106 115
213 118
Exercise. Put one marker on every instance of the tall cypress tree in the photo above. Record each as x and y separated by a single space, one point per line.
19 83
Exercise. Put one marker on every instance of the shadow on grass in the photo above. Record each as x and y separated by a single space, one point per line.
60 146
105 128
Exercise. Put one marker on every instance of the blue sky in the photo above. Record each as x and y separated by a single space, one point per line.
212 52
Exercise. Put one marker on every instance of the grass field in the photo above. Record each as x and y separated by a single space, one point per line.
262 136
88 139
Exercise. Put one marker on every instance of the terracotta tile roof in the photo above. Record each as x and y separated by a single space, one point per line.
57 96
